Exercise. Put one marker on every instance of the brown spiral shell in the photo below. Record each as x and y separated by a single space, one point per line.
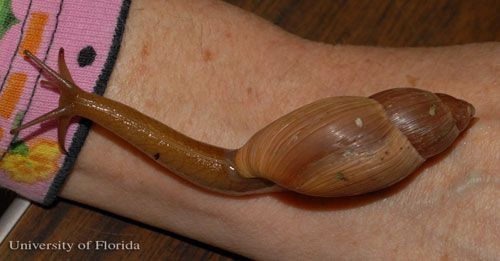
343 146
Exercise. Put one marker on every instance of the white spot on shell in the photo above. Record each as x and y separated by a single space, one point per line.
432 110
470 110
359 122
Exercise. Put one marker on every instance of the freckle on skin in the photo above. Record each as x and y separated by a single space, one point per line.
412 80
249 90
207 55
145 50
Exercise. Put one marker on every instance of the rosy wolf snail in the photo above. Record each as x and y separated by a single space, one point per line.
337 146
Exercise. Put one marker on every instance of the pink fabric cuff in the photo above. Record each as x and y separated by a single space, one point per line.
31 163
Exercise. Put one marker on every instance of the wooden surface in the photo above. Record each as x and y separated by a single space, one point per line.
361 22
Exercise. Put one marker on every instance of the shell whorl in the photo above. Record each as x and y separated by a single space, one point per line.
431 122
343 146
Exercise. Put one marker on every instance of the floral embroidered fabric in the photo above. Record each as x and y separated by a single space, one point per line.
31 163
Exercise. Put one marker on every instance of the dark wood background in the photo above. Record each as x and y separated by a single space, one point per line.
360 22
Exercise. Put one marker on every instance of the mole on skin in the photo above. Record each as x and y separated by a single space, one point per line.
208 55
412 80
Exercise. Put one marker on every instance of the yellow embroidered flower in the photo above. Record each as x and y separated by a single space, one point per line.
31 164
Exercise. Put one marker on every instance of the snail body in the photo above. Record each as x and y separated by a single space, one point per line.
338 146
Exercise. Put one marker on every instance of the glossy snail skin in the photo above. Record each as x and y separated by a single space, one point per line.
338 146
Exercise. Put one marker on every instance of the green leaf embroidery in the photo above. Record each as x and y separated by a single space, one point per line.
19 117
19 148
7 18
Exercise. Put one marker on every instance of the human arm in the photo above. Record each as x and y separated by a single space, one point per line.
209 80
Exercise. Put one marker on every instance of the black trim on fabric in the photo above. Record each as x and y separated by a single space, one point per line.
83 130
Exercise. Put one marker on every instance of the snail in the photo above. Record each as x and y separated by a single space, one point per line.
334 147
